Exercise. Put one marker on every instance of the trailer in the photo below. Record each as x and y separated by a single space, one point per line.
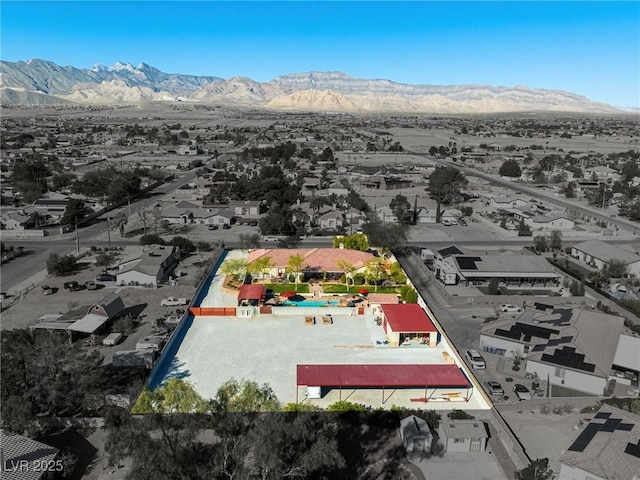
112 339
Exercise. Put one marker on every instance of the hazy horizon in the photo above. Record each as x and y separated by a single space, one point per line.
588 48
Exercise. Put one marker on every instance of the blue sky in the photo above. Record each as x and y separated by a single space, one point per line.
589 48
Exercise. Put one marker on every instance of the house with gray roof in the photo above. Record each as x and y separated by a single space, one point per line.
23 458
607 448
151 267
572 348
190 213
597 253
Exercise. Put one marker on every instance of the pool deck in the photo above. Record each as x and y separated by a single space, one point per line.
267 348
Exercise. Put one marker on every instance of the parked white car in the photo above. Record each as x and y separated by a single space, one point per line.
173 302
509 307
522 392
476 360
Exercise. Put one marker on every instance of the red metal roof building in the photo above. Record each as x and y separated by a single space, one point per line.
252 294
407 322
428 377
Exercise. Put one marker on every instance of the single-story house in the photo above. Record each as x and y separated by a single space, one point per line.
556 221
573 348
153 266
315 260
331 220
598 254
416 435
188 213
463 435
15 220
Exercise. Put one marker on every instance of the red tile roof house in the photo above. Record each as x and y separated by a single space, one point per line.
316 260
407 321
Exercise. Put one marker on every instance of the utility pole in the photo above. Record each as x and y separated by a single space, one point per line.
108 231
77 237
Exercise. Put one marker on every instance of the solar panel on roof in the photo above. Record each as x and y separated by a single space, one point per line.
602 415
610 425
542 306
627 427
585 437
445 252
633 449
468 263
567 357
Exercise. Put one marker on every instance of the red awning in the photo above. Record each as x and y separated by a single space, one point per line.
407 317
441 375
251 292
288 294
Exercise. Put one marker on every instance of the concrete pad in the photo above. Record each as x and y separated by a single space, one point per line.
458 466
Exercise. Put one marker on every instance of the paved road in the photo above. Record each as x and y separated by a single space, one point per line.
539 194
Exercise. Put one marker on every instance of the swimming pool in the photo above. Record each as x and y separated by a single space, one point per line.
312 303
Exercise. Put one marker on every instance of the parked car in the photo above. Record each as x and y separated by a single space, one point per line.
253 223
173 302
47 290
446 223
72 286
508 307
105 277
494 387
453 221
91 285
213 227
476 360
226 226
270 238
522 392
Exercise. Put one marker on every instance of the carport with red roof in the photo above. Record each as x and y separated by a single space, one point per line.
251 295
405 322
395 376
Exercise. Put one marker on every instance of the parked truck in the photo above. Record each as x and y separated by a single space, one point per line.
173 302
427 256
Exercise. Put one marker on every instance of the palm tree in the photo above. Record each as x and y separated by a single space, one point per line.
295 265
38 218
234 266
349 270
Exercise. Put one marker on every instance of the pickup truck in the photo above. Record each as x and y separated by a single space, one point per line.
173 302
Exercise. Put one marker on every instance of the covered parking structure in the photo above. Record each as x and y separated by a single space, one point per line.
253 295
405 322
435 382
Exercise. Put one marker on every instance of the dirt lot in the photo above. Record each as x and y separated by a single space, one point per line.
143 302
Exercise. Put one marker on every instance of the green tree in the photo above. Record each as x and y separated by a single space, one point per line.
61 265
261 266
374 271
630 170
510 168
346 406
385 236
38 218
237 267
555 240
494 286
576 288
184 244
357 241
408 294
245 396
537 470
615 268
401 209
152 239
74 211
540 243
569 190
175 396
349 269
105 260
444 184
295 265
61 181
397 273
249 240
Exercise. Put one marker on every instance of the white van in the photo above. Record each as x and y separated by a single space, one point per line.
112 339
476 360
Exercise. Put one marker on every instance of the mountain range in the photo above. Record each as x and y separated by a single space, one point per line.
44 82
